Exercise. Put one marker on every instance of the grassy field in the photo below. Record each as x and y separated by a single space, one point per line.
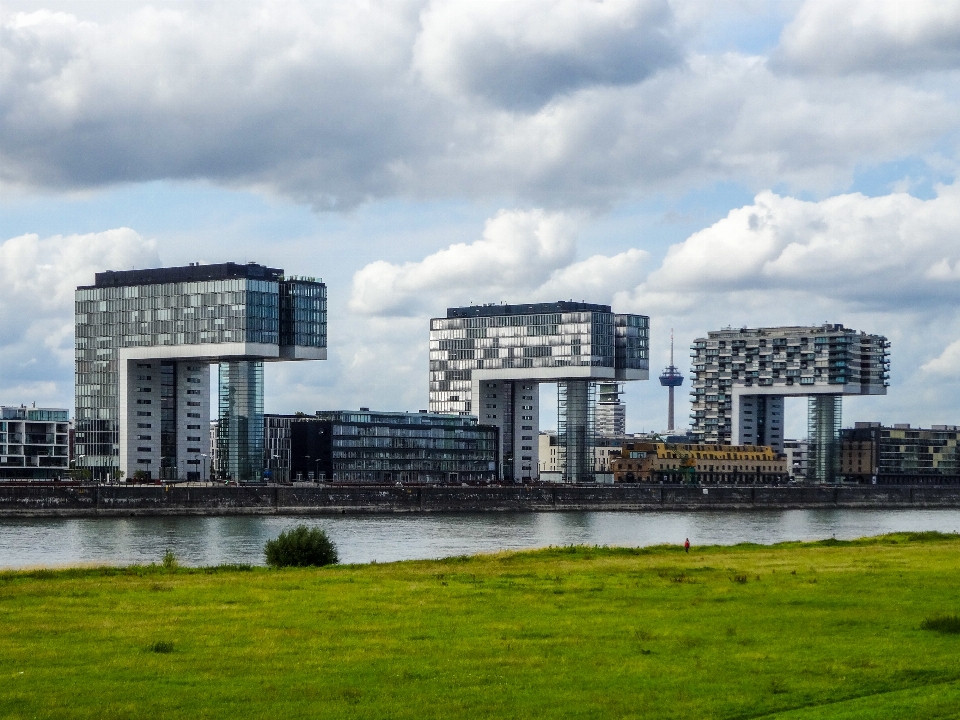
822 630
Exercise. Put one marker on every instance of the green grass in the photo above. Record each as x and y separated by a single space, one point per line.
795 631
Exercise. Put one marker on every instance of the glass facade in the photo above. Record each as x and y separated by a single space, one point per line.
184 312
303 311
240 428
590 337
384 447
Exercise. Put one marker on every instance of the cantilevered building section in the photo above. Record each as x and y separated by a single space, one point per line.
145 340
742 376
488 361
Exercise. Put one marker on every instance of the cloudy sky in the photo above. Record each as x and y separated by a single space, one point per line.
705 163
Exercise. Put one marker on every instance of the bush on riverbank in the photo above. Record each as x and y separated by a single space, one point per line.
301 547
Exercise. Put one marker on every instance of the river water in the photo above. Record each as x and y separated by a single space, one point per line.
365 538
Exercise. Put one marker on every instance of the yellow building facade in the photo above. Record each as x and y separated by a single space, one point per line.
654 462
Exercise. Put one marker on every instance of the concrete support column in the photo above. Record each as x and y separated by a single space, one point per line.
576 429
240 430
823 427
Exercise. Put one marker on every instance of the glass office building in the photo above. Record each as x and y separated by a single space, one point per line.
381 447
488 361
145 340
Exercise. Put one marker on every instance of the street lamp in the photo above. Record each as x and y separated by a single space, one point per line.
203 465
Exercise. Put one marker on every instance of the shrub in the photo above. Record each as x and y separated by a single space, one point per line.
301 547
160 646
942 623
170 561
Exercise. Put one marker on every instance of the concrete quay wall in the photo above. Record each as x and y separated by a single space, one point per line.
34 500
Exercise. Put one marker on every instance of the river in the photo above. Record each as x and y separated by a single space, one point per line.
364 538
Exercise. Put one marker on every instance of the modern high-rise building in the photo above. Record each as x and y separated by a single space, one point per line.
488 361
611 413
145 340
742 376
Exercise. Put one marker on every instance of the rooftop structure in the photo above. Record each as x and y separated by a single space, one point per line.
488 360
740 379
145 340
380 447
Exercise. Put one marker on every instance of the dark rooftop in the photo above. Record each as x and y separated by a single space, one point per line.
560 306
188 273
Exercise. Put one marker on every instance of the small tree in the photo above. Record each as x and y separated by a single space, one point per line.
301 547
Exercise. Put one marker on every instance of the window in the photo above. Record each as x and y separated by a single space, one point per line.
141 401
144 437
143 461
193 450
144 365
193 462
193 415
190 438
144 377
144 425
193 392
527 427
144 389
193 404
144 449
193 427
193 380
141 413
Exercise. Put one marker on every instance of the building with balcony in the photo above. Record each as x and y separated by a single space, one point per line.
34 443
380 447
145 340
489 360
741 377
900 455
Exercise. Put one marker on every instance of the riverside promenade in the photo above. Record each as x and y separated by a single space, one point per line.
61 500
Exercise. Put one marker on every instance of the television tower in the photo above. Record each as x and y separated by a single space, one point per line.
671 378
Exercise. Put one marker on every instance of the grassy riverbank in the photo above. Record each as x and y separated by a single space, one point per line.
823 630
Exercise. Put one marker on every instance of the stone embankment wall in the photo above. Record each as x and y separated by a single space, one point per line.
91 500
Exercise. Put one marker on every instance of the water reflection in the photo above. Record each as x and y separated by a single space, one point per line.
215 540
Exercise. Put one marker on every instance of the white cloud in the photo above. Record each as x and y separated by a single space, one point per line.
946 363
552 103
893 36
518 252
522 54
889 252
39 277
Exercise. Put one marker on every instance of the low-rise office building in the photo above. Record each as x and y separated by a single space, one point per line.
656 462
380 447
34 443
872 453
